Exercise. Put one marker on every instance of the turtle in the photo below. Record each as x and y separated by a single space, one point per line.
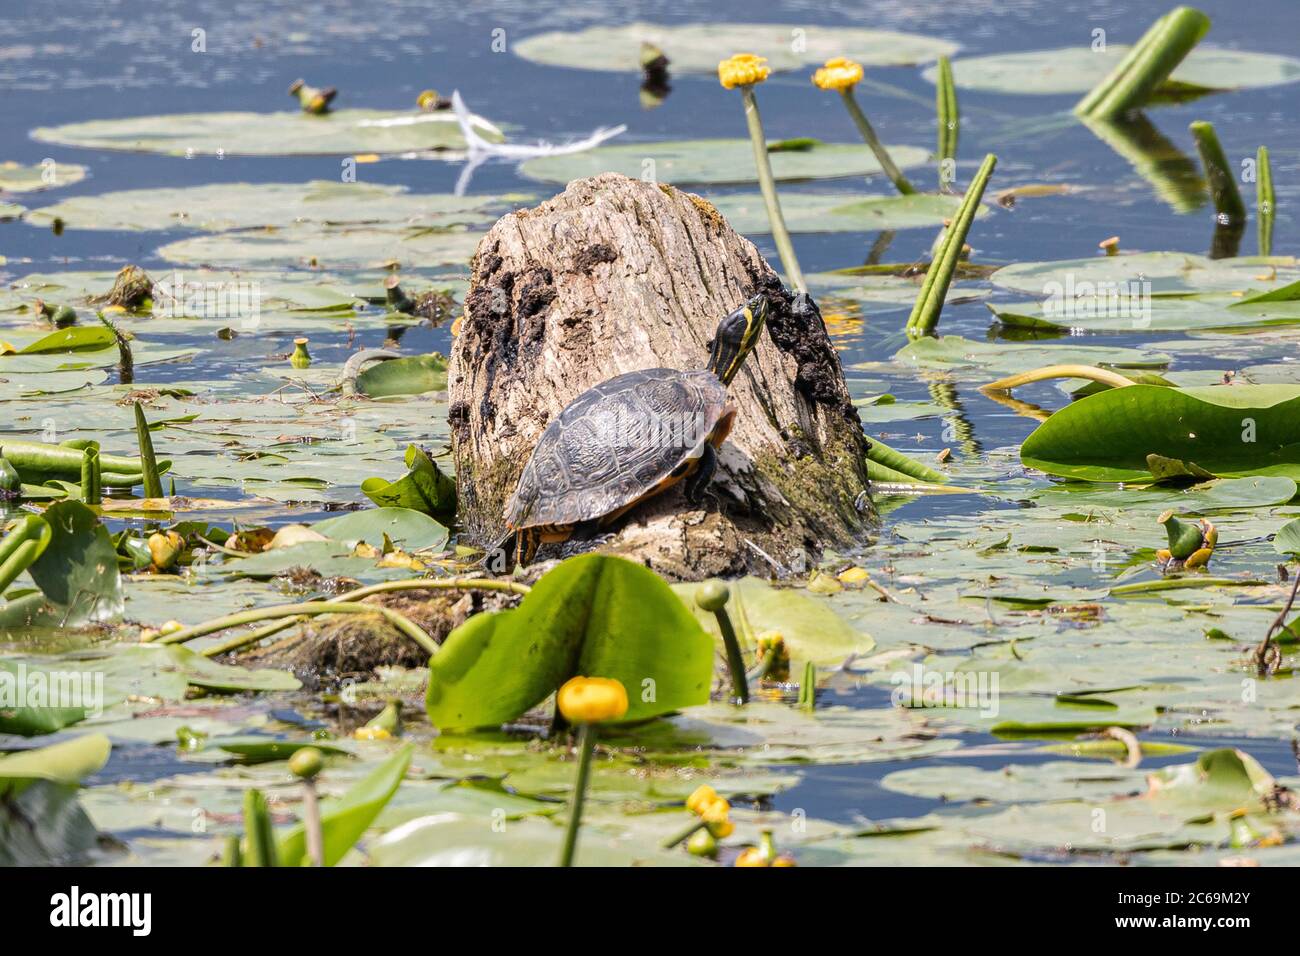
629 438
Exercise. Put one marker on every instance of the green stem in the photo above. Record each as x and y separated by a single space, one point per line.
1147 65
91 488
735 660
148 462
586 742
251 637
436 584
310 608
20 548
1223 185
258 832
311 824
1264 201
929 303
869 136
684 835
946 113
767 185
808 688
60 459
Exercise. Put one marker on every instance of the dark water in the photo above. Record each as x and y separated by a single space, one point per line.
82 59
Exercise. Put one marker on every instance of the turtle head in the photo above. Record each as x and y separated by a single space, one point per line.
736 337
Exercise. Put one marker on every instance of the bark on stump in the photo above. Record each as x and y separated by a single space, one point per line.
616 275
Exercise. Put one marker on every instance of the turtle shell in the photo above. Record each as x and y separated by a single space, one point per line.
616 443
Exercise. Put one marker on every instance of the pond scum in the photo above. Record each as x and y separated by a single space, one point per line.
381 687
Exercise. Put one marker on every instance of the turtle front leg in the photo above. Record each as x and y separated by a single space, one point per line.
699 479
527 541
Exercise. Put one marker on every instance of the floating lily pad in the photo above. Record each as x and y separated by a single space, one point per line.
717 161
1231 431
697 47
218 207
409 529
953 351
353 247
17 178
1098 313
1167 273
1079 69
270 134
9 210
838 212
412 375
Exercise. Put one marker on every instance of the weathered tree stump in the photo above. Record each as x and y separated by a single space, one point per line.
616 275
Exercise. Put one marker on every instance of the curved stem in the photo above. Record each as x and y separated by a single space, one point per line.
1090 372
436 584
869 136
251 637
767 185
310 608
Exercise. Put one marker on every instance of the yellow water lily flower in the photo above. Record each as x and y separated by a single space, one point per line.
854 575
591 700
721 830
838 74
372 733
751 857
715 811
743 69
701 797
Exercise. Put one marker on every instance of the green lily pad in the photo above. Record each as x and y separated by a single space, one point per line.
404 527
1288 538
42 822
219 207
423 488
593 615
1204 313
811 628
9 210
17 178
697 47
270 134
1231 431
412 375
77 573
717 161
1079 69
838 212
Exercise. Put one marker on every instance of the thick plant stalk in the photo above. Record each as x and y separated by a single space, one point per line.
437 584
310 608
877 147
61 459
767 184
251 637
896 461
946 114
1090 372
91 489
1264 201
148 462
1147 65
20 548
586 742
1228 204
929 303
808 688
258 833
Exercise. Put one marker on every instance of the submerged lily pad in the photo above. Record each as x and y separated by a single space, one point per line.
1079 69
697 47
219 207
838 212
351 247
717 161
270 134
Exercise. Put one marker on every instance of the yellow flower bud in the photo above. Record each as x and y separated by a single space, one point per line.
784 861
721 830
743 69
839 74
751 857
372 733
854 575
715 811
591 700
701 797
